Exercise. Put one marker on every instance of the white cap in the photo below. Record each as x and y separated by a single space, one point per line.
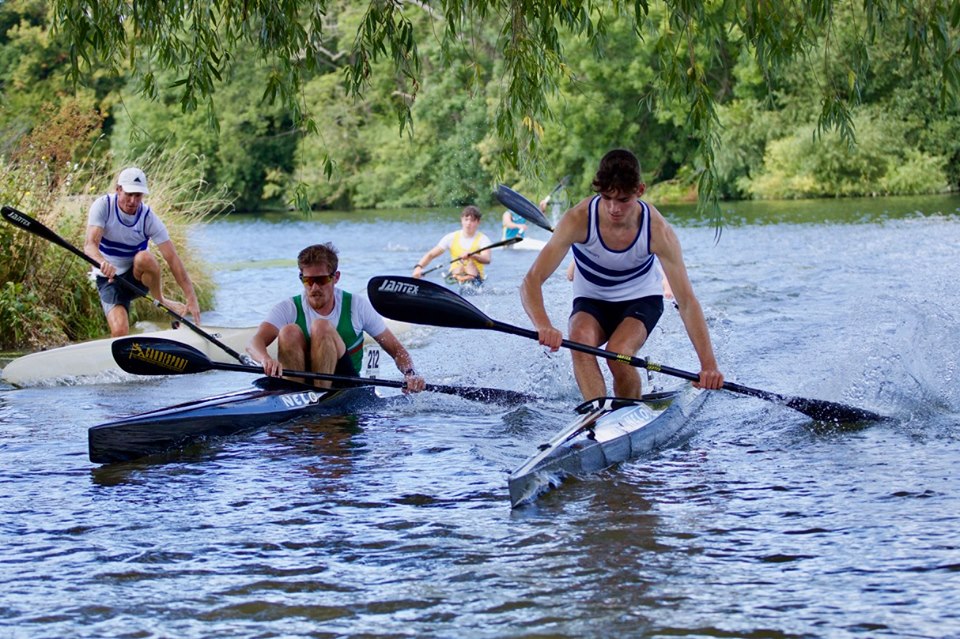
133 180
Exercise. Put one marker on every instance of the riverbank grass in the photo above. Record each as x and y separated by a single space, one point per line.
47 298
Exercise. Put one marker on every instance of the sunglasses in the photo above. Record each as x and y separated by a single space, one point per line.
322 280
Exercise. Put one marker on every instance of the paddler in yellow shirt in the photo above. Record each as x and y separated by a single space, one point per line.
468 261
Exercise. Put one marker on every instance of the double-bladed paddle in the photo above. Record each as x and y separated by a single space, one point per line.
512 240
420 302
27 223
521 206
565 180
157 356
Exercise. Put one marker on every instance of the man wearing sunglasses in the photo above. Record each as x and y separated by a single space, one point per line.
321 330
119 226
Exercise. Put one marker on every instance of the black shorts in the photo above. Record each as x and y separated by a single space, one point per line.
345 367
609 314
116 294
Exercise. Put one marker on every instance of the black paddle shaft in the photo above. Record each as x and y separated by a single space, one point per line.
156 356
27 223
818 409
421 302
512 240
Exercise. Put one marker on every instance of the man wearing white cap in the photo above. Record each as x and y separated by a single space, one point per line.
119 228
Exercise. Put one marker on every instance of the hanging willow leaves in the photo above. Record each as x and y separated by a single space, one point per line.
694 42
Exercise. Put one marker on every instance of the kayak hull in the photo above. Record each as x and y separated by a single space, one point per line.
608 432
170 428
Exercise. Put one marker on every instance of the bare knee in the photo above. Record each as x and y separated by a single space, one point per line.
291 335
118 321
322 330
292 347
325 340
585 331
144 262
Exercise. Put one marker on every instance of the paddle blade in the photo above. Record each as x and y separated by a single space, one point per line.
485 395
565 180
27 223
156 356
521 206
407 299
818 409
825 411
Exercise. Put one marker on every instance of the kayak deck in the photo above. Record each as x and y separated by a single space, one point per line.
165 429
93 361
467 286
608 431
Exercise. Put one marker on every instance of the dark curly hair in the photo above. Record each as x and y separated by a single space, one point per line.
619 172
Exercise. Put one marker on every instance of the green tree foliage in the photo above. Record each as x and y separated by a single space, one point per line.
33 78
198 38
439 159
880 164
309 97
774 145
251 140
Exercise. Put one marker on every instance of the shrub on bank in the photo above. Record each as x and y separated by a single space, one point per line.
46 295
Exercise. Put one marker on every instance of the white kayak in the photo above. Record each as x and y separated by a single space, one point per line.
528 244
93 360
608 431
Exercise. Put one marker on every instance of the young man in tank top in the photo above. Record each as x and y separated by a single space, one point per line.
618 298
119 227
464 245
321 330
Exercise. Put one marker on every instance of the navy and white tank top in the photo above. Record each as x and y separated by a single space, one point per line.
605 274
125 235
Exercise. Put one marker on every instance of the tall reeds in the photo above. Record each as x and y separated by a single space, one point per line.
46 295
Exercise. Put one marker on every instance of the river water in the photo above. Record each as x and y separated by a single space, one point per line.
396 522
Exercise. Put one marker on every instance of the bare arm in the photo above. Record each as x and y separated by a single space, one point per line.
666 246
169 253
426 259
389 342
91 246
667 291
258 345
510 224
572 228
483 256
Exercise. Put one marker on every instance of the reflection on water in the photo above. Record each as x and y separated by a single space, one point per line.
396 522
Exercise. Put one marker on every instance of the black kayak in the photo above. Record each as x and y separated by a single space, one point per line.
272 401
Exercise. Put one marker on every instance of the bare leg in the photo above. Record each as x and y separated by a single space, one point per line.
118 321
147 270
627 339
584 328
326 347
292 349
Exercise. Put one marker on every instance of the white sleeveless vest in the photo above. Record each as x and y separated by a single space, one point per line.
615 276
124 235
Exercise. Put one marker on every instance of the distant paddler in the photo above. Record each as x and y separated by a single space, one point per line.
467 250
513 225
119 227
321 330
